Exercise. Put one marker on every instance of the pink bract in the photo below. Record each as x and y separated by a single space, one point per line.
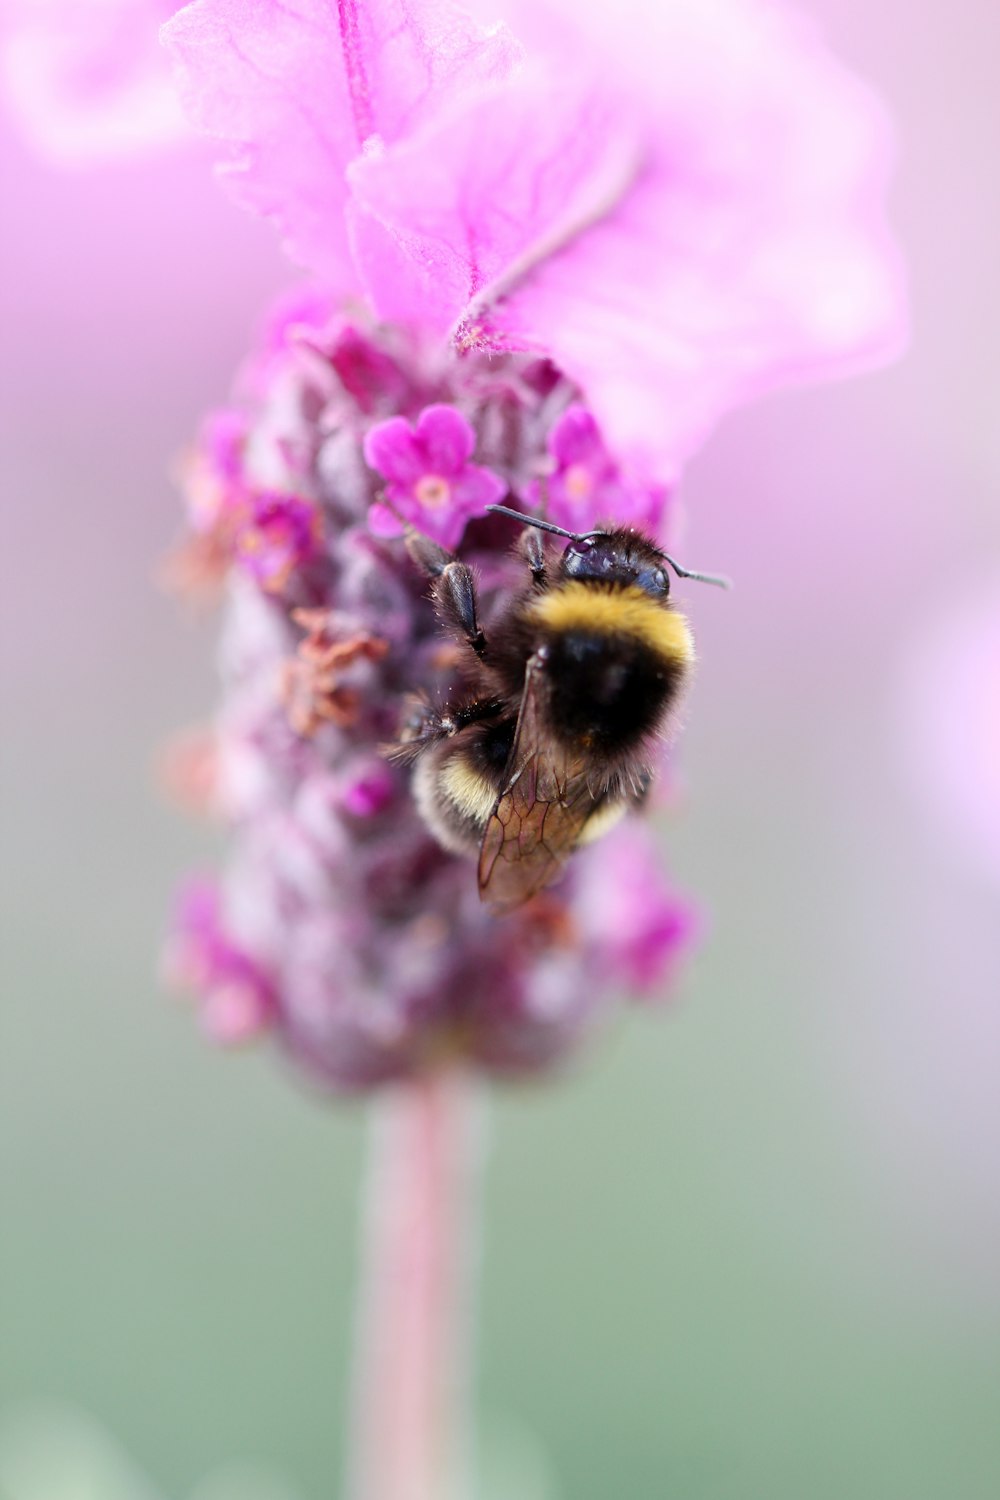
681 202
299 88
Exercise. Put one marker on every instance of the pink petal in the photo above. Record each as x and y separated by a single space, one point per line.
447 528
477 488
643 506
446 438
729 243
444 214
369 376
393 451
234 1013
445 519
296 89
383 522
575 440
630 913
444 524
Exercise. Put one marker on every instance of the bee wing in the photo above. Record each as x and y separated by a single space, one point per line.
538 818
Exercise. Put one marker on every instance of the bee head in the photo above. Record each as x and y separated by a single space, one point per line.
620 558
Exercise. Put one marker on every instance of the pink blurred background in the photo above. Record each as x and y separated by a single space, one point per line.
832 1071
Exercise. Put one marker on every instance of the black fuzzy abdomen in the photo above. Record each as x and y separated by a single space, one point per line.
607 691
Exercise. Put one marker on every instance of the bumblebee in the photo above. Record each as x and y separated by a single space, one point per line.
553 739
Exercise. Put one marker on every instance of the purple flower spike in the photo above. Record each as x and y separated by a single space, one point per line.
340 924
431 483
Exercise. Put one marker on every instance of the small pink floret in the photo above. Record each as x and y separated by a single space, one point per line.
277 534
585 488
214 483
429 480
372 379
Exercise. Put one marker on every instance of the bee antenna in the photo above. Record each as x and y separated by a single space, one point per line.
518 515
579 536
718 579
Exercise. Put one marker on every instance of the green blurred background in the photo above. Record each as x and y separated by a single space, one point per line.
749 1249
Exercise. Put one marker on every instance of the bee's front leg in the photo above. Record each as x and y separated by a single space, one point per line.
453 590
532 549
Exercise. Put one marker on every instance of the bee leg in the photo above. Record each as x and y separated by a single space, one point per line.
422 727
427 554
455 597
425 725
532 548
453 590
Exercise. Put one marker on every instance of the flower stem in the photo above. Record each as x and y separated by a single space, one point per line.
411 1436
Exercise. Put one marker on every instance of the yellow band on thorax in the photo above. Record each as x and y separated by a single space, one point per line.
606 610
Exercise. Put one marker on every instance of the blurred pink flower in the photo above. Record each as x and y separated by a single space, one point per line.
213 478
267 531
681 202
633 920
86 78
277 536
584 484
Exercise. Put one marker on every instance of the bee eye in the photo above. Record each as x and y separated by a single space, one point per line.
655 581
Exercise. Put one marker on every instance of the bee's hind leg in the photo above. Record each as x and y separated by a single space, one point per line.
424 725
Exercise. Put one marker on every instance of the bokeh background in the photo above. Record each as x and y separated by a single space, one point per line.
750 1248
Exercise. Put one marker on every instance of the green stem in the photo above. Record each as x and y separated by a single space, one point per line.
411 1427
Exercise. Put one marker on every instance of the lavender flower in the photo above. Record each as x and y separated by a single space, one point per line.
340 924
573 262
